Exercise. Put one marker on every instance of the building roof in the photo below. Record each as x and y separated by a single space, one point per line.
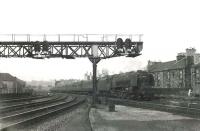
170 65
6 77
9 77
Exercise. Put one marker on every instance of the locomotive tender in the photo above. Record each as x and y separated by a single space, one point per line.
126 85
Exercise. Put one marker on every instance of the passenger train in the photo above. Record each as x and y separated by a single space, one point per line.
126 85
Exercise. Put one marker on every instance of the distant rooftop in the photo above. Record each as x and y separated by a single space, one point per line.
8 77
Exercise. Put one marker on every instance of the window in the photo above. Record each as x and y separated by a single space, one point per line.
168 75
158 79
158 76
197 74
173 74
181 74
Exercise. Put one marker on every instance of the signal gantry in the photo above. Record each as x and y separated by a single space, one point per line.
95 47
70 46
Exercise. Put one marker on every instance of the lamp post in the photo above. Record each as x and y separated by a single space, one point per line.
94 59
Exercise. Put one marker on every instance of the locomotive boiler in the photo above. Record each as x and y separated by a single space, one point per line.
127 85
132 85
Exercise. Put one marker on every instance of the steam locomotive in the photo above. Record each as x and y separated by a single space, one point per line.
126 85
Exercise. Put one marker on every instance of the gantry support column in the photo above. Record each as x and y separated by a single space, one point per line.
94 78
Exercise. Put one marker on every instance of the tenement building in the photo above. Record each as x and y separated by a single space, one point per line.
184 72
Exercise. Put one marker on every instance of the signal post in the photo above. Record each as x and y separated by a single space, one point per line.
94 59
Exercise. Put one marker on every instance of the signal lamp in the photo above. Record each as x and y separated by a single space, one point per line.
45 46
119 44
37 47
128 45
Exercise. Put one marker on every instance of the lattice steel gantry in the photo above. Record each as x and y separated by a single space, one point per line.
68 46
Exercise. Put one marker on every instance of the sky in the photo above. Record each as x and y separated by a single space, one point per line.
168 27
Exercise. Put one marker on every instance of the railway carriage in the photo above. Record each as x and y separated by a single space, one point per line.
85 87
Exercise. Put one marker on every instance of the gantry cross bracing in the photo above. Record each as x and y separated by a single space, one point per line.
68 45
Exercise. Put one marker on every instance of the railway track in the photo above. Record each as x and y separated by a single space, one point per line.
10 98
161 107
21 99
14 120
27 105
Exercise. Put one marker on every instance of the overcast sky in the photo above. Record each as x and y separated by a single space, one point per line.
168 26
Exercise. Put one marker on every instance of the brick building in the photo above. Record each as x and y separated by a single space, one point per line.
195 71
10 84
177 73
